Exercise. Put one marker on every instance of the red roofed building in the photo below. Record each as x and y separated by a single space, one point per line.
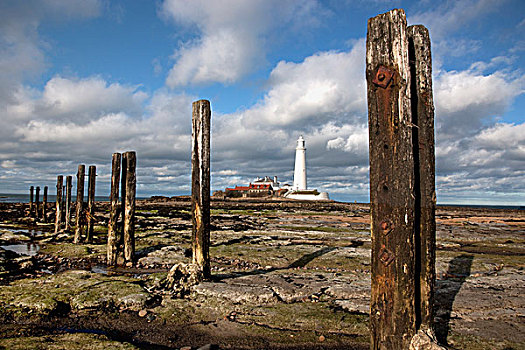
253 190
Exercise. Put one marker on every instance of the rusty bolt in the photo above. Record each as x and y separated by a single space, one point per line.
386 226
386 256
383 77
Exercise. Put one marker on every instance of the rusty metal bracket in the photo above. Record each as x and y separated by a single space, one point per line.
386 256
386 226
383 77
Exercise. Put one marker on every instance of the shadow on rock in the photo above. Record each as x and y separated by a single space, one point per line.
446 291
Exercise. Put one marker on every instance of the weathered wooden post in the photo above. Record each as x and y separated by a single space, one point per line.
44 205
80 202
113 231
69 179
37 202
91 203
425 191
129 162
400 117
58 213
31 192
200 186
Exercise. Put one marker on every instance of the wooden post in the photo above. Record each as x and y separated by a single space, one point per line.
113 232
402 194
37 202
80 202
58 213
123 176
425 192
91 203
200 186
44 205
31 191
129 160
69 179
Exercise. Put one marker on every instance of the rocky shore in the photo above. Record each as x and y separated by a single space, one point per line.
286 275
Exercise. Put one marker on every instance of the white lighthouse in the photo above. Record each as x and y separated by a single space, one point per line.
299 176
299 190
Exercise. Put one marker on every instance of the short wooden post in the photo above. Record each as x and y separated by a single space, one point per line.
31 193
58 213
113 231
80 202
129 161
44 205
91 203
37 202
200 185
402 194
69 180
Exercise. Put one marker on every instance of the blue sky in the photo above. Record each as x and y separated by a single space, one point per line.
81 79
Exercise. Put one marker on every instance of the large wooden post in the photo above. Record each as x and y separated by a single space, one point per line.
91 203
44 205
129 161
31 193
402 193
425 191
200 185
58 213
113 231
69 179
37 202
80 202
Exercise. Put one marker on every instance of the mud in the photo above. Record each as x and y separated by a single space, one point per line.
285 275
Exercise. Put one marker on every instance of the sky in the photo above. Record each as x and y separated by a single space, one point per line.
82 79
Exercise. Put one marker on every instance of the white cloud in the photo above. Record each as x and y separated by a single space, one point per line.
231 36
503 136
465 99
75 97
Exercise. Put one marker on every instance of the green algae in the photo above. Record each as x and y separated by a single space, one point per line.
75 341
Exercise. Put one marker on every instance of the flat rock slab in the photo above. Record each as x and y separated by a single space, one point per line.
77 288
289 288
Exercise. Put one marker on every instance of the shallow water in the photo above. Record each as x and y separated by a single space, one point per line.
28 249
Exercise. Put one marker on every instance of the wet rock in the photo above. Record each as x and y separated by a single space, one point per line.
425 340
236 293
165 256
181 278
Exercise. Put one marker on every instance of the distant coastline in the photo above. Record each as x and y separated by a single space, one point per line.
24 198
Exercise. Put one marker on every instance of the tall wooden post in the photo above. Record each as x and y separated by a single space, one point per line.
113 232
424 155
44 205
37 202
31 193
91 203
200 185
80 202
69 179
123 176
58 213
401 180
129 161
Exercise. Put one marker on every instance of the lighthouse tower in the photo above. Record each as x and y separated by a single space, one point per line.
299 176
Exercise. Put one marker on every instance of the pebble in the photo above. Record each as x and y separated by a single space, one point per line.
143 313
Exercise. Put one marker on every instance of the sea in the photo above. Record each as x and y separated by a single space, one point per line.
24 198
